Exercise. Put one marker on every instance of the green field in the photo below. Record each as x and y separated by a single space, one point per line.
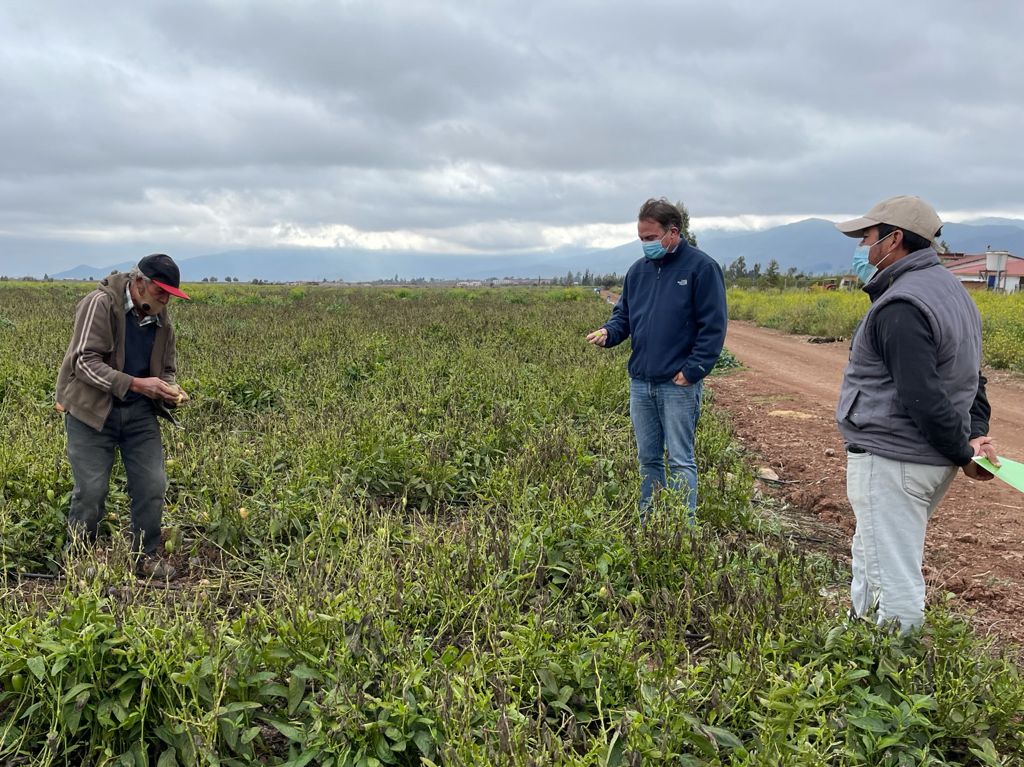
406 521
836 313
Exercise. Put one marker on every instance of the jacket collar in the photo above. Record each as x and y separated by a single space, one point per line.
115 286
883 280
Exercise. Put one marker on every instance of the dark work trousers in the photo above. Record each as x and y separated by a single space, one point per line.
133 429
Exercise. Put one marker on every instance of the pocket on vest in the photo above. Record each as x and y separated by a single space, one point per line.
846 408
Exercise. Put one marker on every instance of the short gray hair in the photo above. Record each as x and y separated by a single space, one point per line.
136 274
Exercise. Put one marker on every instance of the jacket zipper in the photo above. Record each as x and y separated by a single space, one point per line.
657 279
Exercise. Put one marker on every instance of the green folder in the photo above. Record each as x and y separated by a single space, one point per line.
1011 472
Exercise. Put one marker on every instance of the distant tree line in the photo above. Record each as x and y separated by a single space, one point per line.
588 278
738 275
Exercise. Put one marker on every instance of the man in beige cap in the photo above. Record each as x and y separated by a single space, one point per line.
912 407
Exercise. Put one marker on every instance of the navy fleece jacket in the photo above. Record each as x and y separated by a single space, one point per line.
674 309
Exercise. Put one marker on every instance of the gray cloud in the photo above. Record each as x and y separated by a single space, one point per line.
483 126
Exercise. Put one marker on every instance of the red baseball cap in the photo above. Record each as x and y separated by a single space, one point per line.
164 273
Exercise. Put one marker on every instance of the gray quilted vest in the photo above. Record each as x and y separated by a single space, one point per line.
869 412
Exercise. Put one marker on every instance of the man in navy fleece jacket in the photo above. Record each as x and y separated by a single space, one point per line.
673 306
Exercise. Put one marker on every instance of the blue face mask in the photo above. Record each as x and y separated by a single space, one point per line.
863 268
654 250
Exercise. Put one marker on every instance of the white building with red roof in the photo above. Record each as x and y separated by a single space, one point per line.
994 270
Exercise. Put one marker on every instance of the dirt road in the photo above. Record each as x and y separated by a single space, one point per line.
782 404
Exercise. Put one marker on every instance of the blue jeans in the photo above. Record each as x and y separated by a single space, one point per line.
133 429
665 416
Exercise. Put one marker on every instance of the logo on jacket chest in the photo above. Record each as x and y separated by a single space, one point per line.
681 282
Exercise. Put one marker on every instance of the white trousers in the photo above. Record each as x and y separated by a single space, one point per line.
892 501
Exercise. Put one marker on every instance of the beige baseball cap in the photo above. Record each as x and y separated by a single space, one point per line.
909 213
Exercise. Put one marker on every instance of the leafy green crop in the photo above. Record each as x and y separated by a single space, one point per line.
406 520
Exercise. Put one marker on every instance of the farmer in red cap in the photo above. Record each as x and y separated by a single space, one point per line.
116 377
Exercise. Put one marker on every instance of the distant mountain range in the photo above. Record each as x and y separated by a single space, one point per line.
352 265
812 246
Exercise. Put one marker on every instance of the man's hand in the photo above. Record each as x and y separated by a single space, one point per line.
983 446
155 388
598 337
680 379
986 447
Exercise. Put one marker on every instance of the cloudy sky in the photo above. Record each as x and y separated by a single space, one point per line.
454 126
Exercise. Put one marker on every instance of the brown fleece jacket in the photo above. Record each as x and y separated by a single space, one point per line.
92 368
